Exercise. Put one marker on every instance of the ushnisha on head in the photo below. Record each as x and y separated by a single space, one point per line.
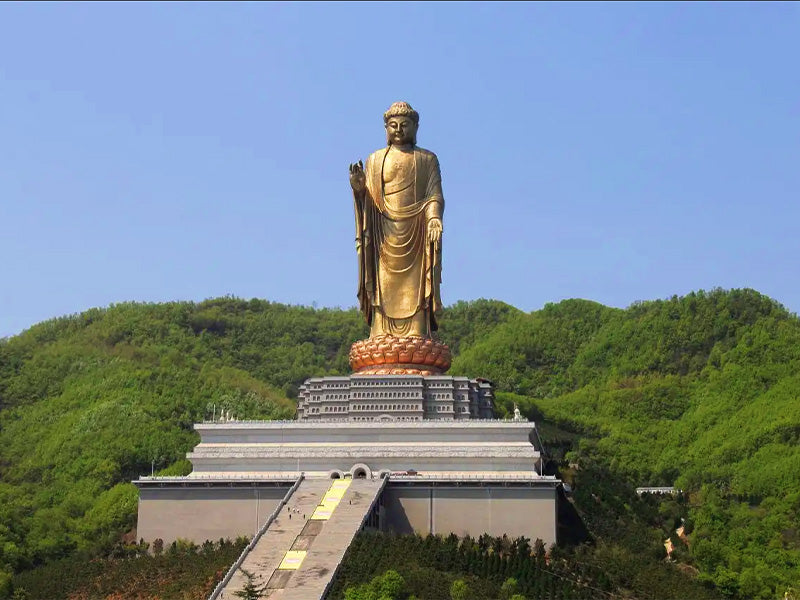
401 122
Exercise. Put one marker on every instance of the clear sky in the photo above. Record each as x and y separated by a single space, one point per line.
614 152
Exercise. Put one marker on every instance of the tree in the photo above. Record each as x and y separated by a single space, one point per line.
250 591
390 585
5 584
459 590
361 592
509 588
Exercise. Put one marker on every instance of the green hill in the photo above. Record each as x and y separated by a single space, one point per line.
698 391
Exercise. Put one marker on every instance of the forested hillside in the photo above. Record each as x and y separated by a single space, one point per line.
699 391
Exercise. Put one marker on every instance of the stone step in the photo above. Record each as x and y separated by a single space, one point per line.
264 558
313 577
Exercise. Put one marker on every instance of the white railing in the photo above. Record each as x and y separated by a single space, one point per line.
658 490
323 420
192 477
218 590
456 476
475 477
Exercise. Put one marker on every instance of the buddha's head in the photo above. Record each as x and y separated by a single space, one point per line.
401 122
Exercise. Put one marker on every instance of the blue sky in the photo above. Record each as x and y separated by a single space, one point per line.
615 152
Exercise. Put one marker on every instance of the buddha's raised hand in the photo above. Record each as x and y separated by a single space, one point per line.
358 181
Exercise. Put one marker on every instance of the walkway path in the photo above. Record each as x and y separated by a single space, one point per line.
314 576
300 551
268 553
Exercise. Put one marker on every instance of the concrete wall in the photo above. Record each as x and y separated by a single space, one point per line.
514 511
200 514
465 463
309 432
210 513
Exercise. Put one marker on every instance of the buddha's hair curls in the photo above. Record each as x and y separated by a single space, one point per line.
401 109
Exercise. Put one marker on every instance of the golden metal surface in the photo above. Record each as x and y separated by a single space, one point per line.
390 355
398 207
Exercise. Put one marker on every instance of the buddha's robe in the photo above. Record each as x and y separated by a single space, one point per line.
399 269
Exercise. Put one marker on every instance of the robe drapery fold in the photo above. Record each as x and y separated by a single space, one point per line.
399 270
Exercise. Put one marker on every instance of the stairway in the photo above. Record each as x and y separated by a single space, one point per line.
270 550
299 554
315 574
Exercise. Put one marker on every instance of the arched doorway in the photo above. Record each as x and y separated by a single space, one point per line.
361 472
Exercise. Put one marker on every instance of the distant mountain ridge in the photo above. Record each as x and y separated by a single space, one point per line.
700 391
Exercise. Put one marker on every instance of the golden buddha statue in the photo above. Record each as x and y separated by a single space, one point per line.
398 206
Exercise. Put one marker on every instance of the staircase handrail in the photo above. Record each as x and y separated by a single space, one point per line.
239 561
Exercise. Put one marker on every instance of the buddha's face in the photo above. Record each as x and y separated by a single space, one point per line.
401 131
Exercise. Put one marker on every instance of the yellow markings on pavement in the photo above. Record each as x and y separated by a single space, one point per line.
322 513
331 499
336 491
292 560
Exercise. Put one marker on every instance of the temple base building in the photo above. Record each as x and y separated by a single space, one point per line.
401 453
395 398
444 476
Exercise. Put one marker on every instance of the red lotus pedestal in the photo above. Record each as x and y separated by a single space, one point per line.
390 355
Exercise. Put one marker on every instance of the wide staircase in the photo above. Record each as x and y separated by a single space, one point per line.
299 553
